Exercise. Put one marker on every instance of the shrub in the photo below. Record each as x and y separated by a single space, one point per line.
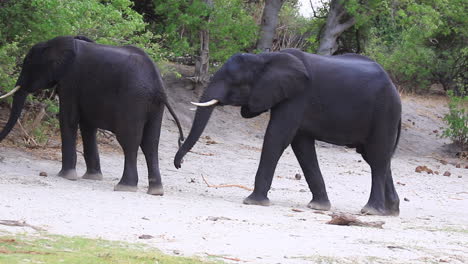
457 120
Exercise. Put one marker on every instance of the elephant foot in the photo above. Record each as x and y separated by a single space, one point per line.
156 190
257 200
93 176
125 188
373 210
319 205
68 174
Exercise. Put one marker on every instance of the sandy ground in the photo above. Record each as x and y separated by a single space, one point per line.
194 219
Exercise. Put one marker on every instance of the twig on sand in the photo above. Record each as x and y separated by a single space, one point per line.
457 196
225 185
349 220
20 223
228 258
203 154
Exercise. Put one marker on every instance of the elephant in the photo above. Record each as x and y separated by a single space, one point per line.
115 88
347 100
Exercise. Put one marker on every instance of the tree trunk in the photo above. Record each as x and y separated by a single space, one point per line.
202 62
269 23
338 20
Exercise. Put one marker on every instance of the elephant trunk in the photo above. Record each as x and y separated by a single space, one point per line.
18 103
201 119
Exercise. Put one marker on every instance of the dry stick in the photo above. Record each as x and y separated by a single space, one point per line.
225 185
37 119
228 258
27 135
200 153
19 223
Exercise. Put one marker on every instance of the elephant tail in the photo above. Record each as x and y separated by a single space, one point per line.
398 137
181 133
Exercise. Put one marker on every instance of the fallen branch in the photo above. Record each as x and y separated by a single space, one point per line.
349 220
200 153
20 223
6 251
228 258
37 120
28 137
225 185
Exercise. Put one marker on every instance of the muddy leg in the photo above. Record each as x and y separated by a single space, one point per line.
149 145
68 130
129 138
279 134
304 149
91 154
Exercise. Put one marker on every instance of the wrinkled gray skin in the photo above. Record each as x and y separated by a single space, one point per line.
346 100
113 88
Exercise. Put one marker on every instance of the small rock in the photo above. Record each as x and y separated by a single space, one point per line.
359 161
145 237
436 131
192 180
420 169
297 210
298 176
302 190
466 167
145 218
436 172
444 162
447 173
176 252
400 183
458 165
459 176
43 174
406 199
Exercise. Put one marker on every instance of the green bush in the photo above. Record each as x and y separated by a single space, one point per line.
231 28
457 120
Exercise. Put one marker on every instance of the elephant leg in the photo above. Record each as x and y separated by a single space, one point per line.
304 149
383 198
90 151
149 146
281 129
392 201
129 138
68 131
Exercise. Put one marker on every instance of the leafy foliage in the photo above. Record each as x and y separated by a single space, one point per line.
231 28
457 120
417 41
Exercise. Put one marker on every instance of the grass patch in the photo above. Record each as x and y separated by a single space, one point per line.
61 249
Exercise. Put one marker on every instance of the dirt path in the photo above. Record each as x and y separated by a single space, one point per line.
193 219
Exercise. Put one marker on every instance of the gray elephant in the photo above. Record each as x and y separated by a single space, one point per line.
346 100
118 89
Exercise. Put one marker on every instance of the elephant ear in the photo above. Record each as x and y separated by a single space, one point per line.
284 76
60 54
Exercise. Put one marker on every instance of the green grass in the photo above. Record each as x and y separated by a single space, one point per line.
70 250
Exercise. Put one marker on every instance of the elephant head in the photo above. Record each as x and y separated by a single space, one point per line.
43 67
256 83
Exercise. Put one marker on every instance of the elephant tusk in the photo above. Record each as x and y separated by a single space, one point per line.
211 102
10 93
